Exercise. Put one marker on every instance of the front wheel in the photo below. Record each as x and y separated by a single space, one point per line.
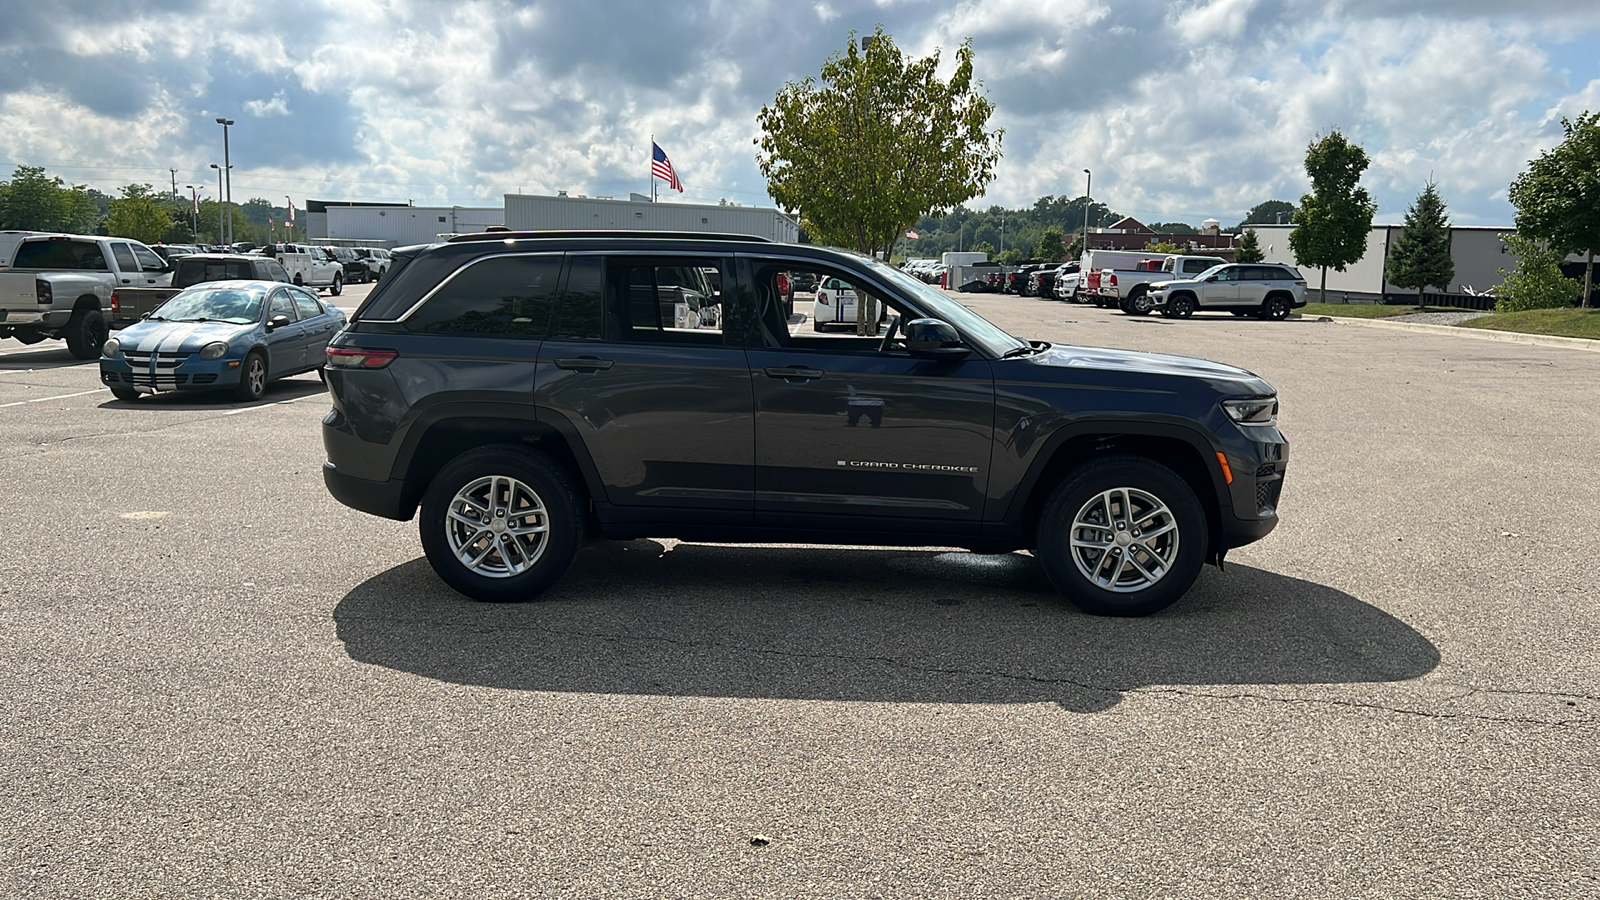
126 394
1181 306
1276 308
252 377
501 523
1122 536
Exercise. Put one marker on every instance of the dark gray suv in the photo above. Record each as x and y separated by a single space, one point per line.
526 391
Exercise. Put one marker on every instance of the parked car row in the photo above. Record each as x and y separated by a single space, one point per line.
1179 286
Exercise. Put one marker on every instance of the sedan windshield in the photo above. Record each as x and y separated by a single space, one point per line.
238 305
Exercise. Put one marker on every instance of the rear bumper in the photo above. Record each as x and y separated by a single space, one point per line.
378 498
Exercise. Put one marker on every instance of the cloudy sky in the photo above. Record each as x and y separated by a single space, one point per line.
1183 110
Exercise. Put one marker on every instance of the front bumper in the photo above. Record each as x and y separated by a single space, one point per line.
1258 467
169 372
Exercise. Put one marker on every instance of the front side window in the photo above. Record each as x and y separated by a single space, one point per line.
280 305
506 296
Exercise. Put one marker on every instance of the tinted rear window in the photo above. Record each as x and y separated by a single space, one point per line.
55 254
191 271
510 296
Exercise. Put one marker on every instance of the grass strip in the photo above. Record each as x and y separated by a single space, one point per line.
1576 323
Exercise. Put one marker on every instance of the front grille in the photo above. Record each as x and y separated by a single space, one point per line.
140 359
1267 494
145 379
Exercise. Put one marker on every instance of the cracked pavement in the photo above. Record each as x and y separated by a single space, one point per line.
220 682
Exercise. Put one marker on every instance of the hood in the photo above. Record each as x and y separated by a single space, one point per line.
1100 358
172 337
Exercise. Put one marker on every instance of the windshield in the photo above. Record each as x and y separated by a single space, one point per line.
238 305
973 326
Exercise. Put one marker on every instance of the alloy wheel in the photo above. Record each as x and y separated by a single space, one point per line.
1124 540
497 526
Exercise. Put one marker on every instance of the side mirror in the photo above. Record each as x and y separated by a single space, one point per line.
277 321
934 339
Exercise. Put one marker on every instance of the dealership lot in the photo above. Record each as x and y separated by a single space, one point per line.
220 681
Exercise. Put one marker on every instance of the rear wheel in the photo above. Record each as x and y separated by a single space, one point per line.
1122 536
1181 306
1139 304
337 287
501 523
85 333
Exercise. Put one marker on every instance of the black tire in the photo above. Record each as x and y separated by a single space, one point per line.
1181 306
337 287
298 281
86 332
252 377
1138 303
122 393
545 480
1277 307
1146 480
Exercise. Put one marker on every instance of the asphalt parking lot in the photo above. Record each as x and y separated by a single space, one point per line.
220 682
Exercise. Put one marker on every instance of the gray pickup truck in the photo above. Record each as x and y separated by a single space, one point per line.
74 278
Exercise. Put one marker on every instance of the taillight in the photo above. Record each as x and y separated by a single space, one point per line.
354 358
41 289
1113 281
116 303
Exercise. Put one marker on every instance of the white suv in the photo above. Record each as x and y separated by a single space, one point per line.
1266 290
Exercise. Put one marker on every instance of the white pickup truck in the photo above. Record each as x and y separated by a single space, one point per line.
1129 289
73 277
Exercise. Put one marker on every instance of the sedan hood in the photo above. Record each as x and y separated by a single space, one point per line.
177 337
1158 364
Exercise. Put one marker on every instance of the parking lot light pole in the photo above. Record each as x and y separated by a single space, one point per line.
1088 202
219 203
227 197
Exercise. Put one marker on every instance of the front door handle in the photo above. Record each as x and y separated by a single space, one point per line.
585 364
793 374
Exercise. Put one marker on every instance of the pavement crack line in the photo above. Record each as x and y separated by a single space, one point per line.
1153 691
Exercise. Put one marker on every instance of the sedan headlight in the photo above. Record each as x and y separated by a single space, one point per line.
213 350
111 347
1256 411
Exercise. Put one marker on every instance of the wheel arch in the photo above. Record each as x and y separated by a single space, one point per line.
1180 449
87 303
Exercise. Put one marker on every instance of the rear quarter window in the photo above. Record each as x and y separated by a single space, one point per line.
508 296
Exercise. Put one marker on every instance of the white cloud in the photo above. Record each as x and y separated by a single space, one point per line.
261 109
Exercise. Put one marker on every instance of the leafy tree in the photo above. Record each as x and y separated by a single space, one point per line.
1272 212
878 142
1011 257
1249 249
1163 247
258 211
1333 221
1421 255
1052 246
34 201
1537 282
1075 249
1174 228
139 214
1558 197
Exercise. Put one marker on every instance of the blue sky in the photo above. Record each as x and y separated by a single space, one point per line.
1183 110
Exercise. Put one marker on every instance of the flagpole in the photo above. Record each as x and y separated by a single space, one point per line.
652 167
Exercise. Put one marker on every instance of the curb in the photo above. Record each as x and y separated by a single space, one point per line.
1482 334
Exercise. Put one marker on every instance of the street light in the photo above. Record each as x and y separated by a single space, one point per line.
220 170
226 167
1088 203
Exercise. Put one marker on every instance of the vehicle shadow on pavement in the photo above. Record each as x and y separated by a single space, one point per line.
55 357
877 625
292 388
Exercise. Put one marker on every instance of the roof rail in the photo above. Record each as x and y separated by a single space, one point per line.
637 233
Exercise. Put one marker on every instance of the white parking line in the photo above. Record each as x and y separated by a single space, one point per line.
48 399
235 412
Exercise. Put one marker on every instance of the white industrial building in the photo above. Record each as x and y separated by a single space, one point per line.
1477 250
399 224
526 212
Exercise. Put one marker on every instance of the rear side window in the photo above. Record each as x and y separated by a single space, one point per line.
274 270
307 304
509 296
125 260
579 317
192 271
56 254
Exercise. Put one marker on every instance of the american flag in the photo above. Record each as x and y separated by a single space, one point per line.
290 219
195 194
661 167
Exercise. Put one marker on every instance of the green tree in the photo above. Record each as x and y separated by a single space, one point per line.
34 201
1421 255
1163 247
1272 212
877 142
139 214
1558 197
1333 221
1249 249
1011 257
1537 282
983 247
1174 228
1052 246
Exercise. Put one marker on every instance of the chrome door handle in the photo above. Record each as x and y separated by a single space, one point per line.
585 364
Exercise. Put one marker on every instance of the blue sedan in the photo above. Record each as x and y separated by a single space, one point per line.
221 335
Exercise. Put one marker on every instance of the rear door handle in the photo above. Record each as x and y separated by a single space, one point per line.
794 373
585 364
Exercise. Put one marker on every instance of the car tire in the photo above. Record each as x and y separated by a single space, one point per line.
337 287
1094 551
252 377
1181 306
1276 307
127 394
85 333
476 483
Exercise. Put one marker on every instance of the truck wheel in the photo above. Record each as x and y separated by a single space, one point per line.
252 377
501 523
1181 306
337 287
297 280
1139 304
85 332
1122 536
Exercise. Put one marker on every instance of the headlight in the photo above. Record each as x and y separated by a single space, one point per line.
213 350
111 347
1257 411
